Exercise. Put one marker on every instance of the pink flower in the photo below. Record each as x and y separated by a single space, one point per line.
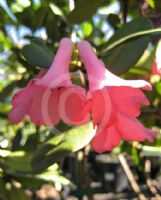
40 98
114 104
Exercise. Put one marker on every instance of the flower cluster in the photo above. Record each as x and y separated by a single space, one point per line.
112 102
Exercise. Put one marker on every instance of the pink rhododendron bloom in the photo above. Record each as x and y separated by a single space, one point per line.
114 104
39 99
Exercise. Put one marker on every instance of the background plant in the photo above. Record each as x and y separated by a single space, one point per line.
125 36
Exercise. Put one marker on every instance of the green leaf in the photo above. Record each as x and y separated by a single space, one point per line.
135 28
18 161
37 54
87 29
151 3
158 88
125 56
8 90
57 11
122 53
155 4
53 175
84 10
61 145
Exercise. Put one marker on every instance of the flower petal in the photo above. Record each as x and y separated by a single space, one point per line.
101 107
18 112
99 76
127 99
113 80
44 109
24 95
132 130
21 103
106 140
58 73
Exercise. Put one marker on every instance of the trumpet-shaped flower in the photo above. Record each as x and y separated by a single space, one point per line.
39 99
113 102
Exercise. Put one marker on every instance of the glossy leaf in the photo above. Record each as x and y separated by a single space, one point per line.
121 59
135 28
122 53
37 54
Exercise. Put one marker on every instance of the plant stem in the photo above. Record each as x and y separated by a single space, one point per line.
131 177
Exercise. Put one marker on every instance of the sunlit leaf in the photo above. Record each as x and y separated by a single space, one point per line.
135 28
61 145
18 161
57 11
87 29
155 4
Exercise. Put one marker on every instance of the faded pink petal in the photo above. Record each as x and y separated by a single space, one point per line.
58 74
42 94
99 76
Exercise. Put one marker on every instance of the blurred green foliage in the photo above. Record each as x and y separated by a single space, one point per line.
30 31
